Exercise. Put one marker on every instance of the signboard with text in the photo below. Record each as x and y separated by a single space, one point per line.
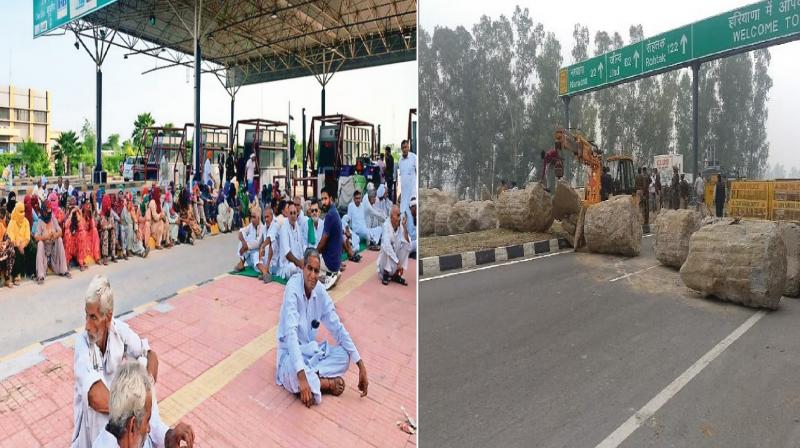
755 25
51 14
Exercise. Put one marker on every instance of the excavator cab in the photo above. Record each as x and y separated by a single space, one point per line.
621 170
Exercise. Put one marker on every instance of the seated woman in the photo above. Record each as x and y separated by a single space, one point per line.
128 221
50 246
108 235
7 251
171 233
75 235
224 211
188 227
236 206
92 242
199 211
19 231
156 218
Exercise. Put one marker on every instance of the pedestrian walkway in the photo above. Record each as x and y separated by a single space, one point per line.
216 349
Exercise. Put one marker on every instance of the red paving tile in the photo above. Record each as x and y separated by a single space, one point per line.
209 323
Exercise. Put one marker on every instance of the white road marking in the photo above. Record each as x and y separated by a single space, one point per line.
633 273
494 266
648 410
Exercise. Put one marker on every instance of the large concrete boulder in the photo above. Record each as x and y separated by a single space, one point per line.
741 262
435 196
673 228
612 227
459 219
790 232
427 217
566 201
528 210
440 223
483 215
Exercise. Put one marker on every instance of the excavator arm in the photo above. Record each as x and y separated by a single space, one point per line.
588 154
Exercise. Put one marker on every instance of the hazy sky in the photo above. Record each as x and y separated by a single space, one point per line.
381 95
655 17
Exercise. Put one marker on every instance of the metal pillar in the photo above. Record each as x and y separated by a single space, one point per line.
98 167
566 100
695 118
305 162
233 101
323 100
198 174
289 185
379 139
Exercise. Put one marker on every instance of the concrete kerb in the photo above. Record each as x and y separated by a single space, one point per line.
437 265
442 263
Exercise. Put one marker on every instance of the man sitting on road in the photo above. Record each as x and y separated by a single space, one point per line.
291 244
250 242
313 225
395 247
357 213
331 242
375 217
99 351
268 251
131 422
304 365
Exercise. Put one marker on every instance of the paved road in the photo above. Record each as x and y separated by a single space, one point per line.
31 313
551 353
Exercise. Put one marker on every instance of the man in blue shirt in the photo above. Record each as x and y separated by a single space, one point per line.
330 243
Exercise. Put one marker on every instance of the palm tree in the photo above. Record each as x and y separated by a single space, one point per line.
66 148
143 121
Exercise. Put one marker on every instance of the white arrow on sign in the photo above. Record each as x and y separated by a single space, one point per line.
683 43
600 68
636 58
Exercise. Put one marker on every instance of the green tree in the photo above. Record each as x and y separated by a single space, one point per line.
88 147
144 120
67 148
35 156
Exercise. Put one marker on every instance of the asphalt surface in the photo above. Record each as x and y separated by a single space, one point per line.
31 313
551 353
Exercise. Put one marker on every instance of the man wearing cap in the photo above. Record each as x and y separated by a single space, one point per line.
250 172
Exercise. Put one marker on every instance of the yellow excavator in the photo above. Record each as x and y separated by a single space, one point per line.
587 153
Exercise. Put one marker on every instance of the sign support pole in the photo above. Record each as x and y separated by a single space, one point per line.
566 100
695 117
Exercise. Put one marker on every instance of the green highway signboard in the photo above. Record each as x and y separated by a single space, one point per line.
755 25
51 14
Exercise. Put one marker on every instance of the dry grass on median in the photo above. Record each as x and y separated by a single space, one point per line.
487 239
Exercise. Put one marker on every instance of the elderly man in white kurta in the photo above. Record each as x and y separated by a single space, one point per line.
130 417
304 365
291 254
395 248
408 176
383 203
250 242
99 351
375 217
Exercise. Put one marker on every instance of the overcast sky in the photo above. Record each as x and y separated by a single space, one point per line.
655 17
381 95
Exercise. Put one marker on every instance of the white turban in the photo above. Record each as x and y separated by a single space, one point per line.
381 191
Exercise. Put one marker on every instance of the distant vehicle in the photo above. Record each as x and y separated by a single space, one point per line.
128 171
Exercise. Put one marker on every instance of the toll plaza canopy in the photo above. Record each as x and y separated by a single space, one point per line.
255 41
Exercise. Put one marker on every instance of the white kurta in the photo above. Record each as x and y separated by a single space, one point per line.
412 229
375 218
91 366
408 179
298 348
291 241
253 236
317 232
272 232
358 222
394 249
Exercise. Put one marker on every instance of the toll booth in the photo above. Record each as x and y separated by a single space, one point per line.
214 139
268 140
343 146
162 156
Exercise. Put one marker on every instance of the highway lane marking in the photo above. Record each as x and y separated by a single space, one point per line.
648 410
507 263
633 273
